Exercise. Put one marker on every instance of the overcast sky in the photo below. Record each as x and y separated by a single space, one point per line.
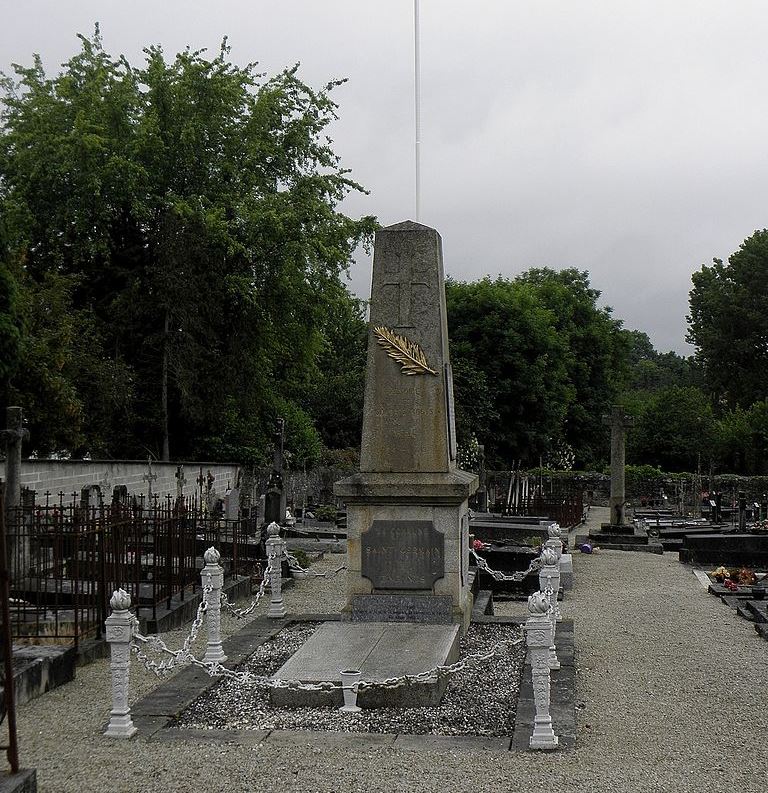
623 138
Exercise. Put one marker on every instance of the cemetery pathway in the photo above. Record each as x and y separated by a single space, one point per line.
670 690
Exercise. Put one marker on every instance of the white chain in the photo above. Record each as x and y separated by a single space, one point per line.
497 575
244 612
215 669
295 567
177 657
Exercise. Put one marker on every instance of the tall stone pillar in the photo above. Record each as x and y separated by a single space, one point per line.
13 436
407 511
619 424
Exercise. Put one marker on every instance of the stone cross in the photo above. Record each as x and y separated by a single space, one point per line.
13 435
149 477
408 417
619 424
181 480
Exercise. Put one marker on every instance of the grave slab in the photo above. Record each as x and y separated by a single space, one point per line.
379 650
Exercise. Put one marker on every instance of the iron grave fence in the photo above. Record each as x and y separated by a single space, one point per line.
67 556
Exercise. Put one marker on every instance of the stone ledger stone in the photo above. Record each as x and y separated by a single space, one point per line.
378 651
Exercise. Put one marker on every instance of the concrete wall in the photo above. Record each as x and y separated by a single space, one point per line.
71 476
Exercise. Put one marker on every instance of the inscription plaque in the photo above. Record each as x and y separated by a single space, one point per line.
402 554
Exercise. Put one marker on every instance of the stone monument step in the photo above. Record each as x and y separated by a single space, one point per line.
624 539
612 528
597 542
762 629
744 612
758 609
378 650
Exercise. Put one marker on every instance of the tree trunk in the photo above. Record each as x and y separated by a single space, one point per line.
164 397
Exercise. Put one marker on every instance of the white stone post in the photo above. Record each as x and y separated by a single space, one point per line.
275 550
538 637
213 575
549 578
119 635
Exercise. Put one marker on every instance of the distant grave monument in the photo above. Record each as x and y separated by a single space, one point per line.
408 596
619 424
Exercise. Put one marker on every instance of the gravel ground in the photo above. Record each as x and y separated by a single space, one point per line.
671 692
467 708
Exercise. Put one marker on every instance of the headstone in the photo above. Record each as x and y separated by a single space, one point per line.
619 424
232 504
407 512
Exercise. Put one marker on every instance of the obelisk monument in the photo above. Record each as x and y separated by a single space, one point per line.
407 512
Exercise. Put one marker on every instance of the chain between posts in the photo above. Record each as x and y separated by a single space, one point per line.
244 612
436 673
295 567
184 656
178 657
497 575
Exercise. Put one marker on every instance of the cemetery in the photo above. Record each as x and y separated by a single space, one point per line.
417 623
264 530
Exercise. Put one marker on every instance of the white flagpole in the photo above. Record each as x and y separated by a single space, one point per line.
417 102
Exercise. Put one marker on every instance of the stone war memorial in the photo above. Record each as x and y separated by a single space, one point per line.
408 579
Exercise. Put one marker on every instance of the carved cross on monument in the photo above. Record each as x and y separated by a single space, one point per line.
149 477
619 423
405 292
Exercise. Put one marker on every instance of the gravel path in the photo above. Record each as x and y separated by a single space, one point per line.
671 688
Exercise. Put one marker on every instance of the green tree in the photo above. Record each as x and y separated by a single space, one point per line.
195 208
728 323
596 358
501 329
334 396
10 333
675 430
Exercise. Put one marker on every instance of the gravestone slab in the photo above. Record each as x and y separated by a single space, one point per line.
379 651
402 554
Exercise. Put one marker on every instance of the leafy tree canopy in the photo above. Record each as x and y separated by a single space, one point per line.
189 209
728 322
